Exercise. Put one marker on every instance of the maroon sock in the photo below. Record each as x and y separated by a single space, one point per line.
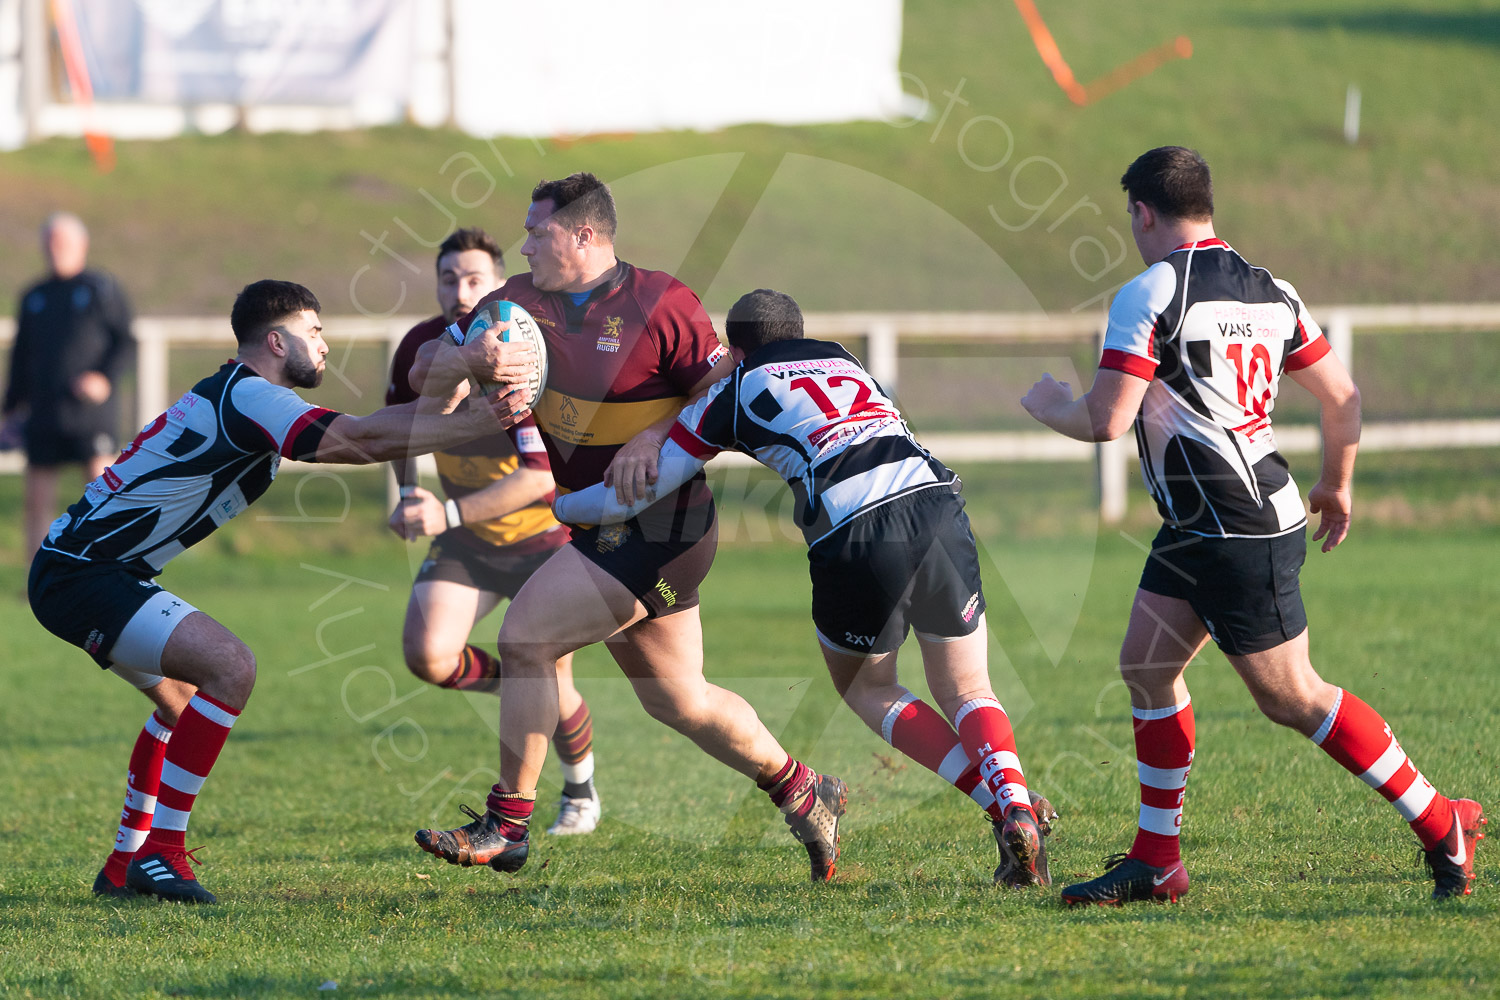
791 788
512 810
476 671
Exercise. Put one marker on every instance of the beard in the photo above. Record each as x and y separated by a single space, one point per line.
302 371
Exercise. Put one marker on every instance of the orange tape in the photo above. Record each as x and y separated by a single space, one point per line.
100 145
1046 47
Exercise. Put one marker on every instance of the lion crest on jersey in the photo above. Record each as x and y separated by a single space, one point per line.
609 336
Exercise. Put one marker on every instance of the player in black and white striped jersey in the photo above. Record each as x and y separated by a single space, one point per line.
202 462
889 548
1193 356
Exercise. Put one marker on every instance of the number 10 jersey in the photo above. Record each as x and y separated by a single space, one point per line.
1213 335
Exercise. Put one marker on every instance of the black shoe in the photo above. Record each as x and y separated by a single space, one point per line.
166 875
1452 861
818 831
104 887
1128 880
476 843
1023 853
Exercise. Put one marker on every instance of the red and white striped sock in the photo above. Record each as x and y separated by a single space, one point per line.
920 732
476 671
1164 756
986 733
200 735
1357 737
141 784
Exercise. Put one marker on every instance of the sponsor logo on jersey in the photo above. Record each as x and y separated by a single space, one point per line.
609 337
112 479
568 412
529 439
611 537
543 320
665 590
717 354
969 609
93 642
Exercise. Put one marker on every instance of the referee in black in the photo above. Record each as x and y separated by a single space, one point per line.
73 342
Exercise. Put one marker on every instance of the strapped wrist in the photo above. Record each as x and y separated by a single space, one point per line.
450 508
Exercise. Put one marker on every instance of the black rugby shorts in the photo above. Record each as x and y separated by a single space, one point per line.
1245 590
910 563
660 558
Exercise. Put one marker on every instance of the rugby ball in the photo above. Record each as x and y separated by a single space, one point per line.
522 328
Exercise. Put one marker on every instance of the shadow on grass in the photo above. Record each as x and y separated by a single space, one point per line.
246 985
1284 978
1473 27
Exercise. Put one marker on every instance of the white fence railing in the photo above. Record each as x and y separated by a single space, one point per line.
881 335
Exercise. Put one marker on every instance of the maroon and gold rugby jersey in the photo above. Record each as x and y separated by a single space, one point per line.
472 466
626 357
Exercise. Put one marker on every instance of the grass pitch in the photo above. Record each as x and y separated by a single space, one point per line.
1304 882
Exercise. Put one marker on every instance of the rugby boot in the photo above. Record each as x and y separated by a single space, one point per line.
576 816
1023 852
1452 861
104 887
166 874
1128 880
476 843
818 831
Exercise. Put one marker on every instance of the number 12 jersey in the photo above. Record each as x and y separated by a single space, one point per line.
1213 335
807 410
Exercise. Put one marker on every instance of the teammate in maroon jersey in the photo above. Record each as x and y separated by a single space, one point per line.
1193 356
201 463
627 348
493 531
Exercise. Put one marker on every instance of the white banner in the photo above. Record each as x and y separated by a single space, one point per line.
353 53
589 66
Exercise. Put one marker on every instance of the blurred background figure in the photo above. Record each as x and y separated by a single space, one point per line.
73 343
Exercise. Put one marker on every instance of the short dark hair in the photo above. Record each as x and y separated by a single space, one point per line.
580 200
760 317
261 306
472 238
1174 180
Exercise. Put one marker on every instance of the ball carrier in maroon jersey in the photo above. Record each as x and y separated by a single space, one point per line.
198 465
627 348
889 550
1193 357
492 532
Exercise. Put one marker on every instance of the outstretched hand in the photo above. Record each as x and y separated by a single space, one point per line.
1337 509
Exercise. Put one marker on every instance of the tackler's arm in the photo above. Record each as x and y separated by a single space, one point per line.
599 505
